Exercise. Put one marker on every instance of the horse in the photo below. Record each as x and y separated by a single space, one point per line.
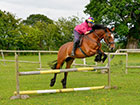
91 45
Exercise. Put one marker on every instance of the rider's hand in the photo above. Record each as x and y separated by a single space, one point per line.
87 32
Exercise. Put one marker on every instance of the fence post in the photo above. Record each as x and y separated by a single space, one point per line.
18 96
3 56
109 77
17 75
39 60
84 61
126 64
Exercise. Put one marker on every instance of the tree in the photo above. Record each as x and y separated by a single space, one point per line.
9 30
123 14
29 38
66 27
32 19
50 38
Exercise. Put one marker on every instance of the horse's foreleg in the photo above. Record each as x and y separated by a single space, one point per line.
64 80
98 58
104 56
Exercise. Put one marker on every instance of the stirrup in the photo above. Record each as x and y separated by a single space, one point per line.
72 54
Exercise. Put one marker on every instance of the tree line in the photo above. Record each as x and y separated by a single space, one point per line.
38 32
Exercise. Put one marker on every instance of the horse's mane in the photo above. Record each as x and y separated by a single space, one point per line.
100 26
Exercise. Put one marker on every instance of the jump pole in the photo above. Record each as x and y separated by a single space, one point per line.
59 90
61 70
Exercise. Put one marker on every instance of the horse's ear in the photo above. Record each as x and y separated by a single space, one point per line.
113 29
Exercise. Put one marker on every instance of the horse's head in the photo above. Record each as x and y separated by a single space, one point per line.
105 33
109 38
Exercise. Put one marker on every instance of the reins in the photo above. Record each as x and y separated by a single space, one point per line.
86 36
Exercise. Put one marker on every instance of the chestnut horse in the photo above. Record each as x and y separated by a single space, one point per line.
90 46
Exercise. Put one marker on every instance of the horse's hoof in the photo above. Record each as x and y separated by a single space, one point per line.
102 61
64 87
97 60
52 82
63 83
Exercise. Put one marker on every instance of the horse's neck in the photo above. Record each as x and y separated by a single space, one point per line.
95 36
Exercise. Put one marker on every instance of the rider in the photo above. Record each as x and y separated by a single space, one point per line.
82 29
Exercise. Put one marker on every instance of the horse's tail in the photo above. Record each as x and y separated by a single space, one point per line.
53 64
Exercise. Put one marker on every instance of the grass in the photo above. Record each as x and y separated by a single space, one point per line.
127 93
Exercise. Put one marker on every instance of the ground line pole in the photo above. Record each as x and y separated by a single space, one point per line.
17 75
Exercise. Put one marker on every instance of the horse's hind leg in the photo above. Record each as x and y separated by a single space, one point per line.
68 64
53 80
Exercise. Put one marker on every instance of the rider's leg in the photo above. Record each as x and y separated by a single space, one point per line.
75 45
76 42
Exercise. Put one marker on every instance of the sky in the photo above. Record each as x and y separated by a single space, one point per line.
53 9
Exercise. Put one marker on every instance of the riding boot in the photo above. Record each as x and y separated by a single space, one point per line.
75 45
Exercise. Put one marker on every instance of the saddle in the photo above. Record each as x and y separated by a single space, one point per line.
81 40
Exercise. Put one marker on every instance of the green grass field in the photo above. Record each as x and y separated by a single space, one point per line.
127 93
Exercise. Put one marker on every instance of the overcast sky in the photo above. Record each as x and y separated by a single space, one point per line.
53 9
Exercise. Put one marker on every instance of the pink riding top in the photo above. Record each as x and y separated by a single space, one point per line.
82 28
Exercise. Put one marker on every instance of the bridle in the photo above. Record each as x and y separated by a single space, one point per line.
107 38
